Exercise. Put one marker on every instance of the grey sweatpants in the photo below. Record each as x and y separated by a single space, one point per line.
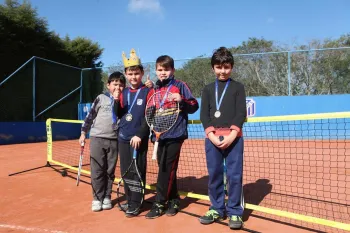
103 160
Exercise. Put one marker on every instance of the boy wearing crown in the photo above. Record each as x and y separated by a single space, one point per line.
133 133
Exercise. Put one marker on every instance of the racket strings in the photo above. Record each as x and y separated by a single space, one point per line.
161 112
133 179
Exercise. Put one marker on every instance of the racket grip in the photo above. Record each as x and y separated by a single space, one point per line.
155 148
134 155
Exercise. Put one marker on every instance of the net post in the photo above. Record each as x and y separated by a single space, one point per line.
81 86
49 139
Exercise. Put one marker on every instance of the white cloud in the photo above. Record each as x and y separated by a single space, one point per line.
270 20
150 6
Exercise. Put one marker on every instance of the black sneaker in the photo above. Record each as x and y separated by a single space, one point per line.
132 211
156 211
235 222
123 206
210 217
173 207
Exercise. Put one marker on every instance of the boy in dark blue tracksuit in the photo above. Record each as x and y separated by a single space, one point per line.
223 112
171 141
131 112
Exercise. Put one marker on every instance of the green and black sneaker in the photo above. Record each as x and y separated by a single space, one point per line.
210 217
235 222
156 211
173 207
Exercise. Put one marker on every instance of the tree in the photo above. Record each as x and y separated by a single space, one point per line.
321 72
23 34
196 73
85 52
262 66
261 74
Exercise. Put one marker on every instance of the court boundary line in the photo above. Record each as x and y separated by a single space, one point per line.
30 229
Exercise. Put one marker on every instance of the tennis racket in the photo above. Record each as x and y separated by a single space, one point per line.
225 170
161 114
132 180
80 162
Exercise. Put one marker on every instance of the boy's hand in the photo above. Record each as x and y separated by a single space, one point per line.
175 97
82 139
228 140
148 82
214 139
116 94
135 142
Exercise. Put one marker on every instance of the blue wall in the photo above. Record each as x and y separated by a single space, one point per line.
28 132
292 105
20 132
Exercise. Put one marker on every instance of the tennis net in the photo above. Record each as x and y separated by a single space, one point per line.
296 167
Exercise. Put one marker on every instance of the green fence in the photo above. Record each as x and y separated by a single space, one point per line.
40 88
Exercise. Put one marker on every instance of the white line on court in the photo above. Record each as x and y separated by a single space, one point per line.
30 229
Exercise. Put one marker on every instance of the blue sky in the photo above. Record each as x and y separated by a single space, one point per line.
189 28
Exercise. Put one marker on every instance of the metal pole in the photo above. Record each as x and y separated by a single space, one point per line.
81 86
289 81
34 79
58 63
16 71
64 97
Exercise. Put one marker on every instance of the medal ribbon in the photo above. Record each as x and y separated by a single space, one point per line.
218 104
114 117
166 94
133 102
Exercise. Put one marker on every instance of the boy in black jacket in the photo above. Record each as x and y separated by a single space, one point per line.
223 112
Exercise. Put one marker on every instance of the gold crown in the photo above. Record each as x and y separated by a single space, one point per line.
133 60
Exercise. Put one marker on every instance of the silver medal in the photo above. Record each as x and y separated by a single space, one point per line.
128 117
217 114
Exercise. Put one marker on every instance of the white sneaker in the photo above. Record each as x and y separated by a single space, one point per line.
107 204
96 206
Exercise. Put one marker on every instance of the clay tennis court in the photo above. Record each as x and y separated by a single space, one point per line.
42 200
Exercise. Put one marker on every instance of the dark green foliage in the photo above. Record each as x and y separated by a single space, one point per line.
23 34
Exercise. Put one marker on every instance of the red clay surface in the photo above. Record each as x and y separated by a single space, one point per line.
43 201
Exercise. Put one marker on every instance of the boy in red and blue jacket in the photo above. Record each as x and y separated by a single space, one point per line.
171 141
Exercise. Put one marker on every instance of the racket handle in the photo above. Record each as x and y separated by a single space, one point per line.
134 155
82 147
155 149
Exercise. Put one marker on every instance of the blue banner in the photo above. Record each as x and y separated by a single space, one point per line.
83 110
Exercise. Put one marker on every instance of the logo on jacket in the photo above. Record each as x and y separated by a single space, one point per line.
139 101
